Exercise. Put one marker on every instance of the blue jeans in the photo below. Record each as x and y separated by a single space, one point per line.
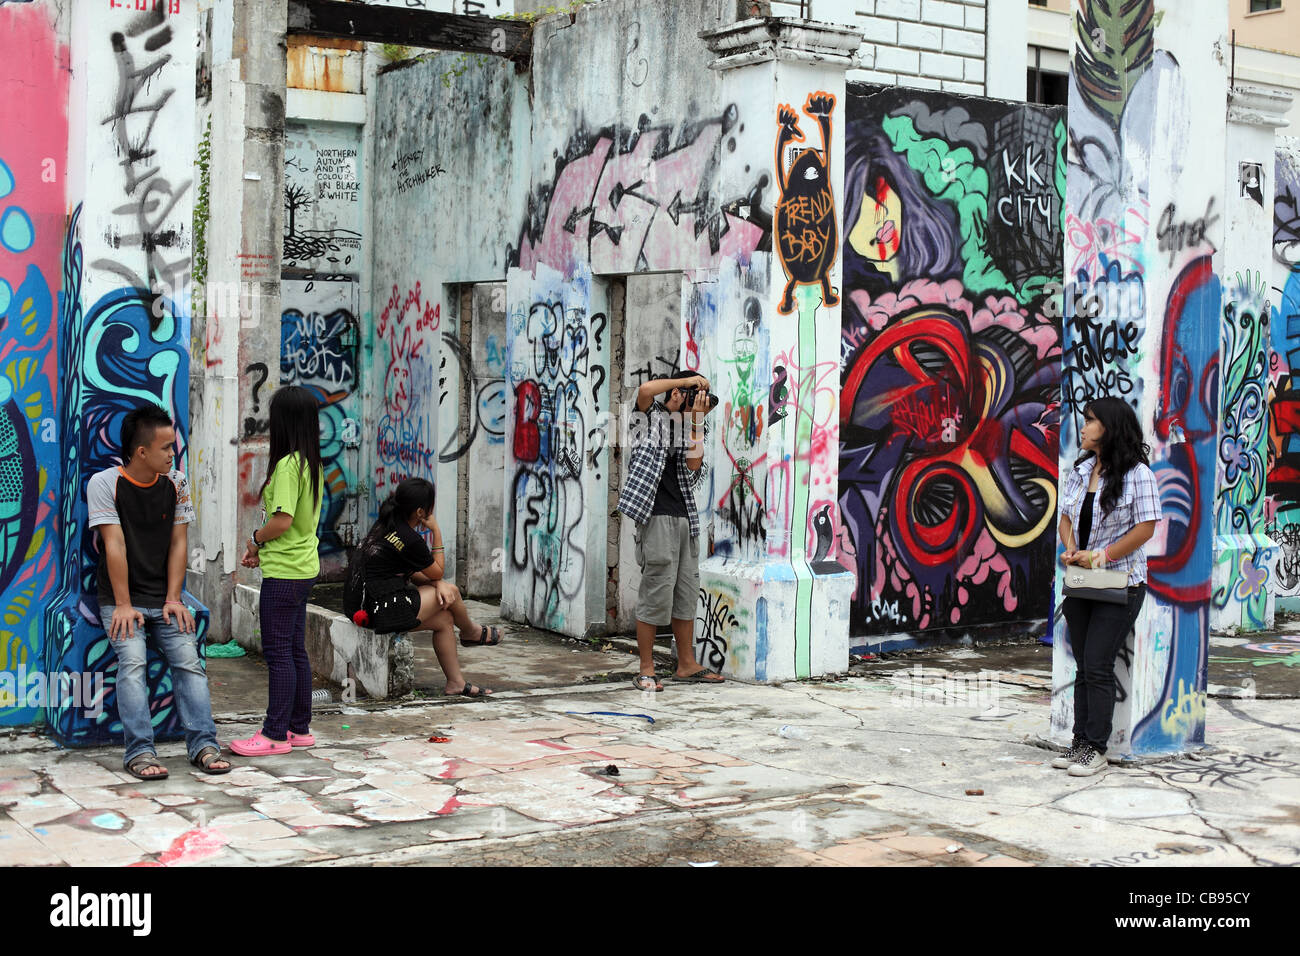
189 683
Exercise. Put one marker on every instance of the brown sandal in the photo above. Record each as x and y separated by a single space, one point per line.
139 763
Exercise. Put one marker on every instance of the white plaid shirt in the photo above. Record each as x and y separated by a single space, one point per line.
646 466
1139 501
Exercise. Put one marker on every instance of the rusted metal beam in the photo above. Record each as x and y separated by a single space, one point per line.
512 39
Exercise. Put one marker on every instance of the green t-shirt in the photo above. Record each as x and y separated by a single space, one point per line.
292 556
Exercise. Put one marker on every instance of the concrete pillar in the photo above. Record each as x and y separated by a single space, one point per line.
125 328
1245 557
485 442
34 87
1283 503
557 462
774 605
1144 220
245 247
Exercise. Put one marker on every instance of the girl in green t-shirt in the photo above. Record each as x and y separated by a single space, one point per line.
285 547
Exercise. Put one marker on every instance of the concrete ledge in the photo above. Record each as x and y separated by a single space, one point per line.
383 665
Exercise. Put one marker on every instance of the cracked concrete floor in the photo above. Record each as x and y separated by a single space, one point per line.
521 781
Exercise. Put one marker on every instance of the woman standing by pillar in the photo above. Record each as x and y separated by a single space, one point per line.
1109 509
286 548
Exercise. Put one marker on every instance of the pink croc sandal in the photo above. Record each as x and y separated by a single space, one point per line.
259 746
301 740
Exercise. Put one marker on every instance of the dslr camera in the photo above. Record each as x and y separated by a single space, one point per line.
689 394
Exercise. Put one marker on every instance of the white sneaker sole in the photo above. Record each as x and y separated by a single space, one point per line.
1086 770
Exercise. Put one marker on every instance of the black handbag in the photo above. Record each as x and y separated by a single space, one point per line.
1094 584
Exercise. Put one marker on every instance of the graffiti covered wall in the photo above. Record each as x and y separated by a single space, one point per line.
555 461
1143 309
322 198
319 346
649 176
446 185
34 85
124 322
1283 462
1245 558
951 359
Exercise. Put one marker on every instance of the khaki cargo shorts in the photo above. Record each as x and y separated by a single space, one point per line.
670 570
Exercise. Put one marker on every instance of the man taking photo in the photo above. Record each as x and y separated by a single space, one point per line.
658 496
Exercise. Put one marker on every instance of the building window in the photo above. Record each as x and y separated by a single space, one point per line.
1048 88
1259 6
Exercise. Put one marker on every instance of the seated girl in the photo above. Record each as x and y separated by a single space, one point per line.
395 583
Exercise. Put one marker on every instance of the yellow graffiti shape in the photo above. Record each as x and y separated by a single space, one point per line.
1182 716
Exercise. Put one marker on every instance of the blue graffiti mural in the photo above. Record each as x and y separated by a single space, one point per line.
319 352
113 358
28 454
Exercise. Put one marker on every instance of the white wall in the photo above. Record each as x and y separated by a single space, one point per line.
925 44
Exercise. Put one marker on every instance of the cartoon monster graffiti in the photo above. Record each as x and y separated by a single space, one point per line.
807 236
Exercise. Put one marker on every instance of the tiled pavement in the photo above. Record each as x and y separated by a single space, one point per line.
522 780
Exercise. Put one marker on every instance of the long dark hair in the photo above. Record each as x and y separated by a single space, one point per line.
926 246
411 495
295 427
1122 447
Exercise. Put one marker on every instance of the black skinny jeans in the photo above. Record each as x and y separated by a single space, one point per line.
1097 631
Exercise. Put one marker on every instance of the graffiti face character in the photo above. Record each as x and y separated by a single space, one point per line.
878 231
807 233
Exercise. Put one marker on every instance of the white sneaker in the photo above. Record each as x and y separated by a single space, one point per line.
1063 760
1088 762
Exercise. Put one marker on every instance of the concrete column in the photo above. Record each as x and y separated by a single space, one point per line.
245 248
34 88
1283 504
486 439
1144 220
774 605
1245 557
1006 49
557 471
125 328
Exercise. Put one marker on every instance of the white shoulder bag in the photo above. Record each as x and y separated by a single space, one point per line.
1095 584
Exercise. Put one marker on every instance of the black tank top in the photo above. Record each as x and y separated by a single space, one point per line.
1085 520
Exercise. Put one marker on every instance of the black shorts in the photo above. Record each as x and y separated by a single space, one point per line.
398 611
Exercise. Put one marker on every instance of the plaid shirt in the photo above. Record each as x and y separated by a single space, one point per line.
646 466
1138 502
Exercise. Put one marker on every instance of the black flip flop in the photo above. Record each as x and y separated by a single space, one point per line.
472 691
136 766
483 638
699 677
206 757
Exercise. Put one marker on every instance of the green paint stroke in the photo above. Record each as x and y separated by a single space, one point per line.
1059 132
1243 409
951 174
809 299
